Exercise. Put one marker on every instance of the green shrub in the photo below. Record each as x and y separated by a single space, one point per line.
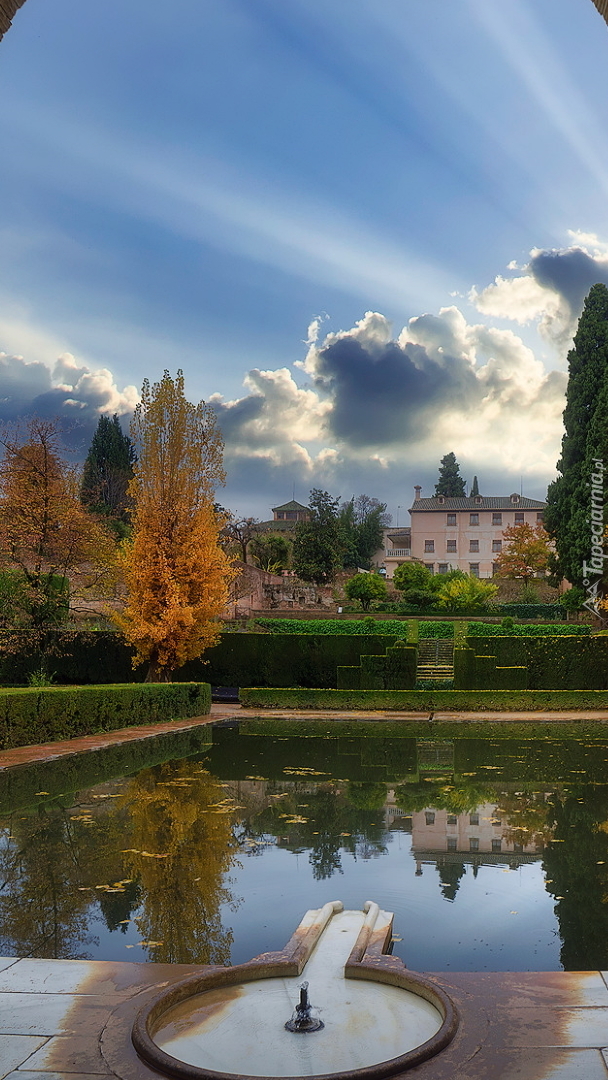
62 712
528 630
425 700
532 611
466 594
427 628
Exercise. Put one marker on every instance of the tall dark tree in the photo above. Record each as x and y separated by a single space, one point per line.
450 482
569 513
318 543
474 488
108 469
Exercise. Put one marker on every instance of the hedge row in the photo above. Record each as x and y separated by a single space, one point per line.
63 712
365 627
238 659
425 700
529 630
575 663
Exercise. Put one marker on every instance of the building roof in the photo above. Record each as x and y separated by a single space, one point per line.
292 505
276 526
479 502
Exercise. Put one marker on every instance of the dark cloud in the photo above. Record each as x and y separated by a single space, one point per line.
26 389
571 273
385 396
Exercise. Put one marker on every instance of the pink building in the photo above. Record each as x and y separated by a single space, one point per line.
461 533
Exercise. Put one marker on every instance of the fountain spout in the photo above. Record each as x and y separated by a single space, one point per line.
302 1019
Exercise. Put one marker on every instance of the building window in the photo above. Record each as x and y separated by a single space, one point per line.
496 545
539 517
442 568
496 821
473 519
451 519
473 545
452 819
474 569
495 569
291 515
429 545
451 546
496 845
518 849
429 817
497 519
452 843
473 819
473 844
519 517
430 566
280 515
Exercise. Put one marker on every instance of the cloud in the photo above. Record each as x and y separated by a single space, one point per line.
70 391
377 402
552 289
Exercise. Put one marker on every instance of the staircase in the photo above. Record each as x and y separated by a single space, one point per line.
435 659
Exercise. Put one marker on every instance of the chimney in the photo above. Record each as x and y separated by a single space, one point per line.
417 489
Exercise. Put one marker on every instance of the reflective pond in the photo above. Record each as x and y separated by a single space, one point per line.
209 845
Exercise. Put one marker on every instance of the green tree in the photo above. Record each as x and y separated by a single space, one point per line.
466 594
450 482
318 544
569 517
365 588
474 488
270 552
362 521
108 469
416 583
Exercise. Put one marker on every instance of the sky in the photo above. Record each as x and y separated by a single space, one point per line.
364 230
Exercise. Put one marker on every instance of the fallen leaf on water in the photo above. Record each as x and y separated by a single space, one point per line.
124 922
152 855
345 834
42 793
150 944
130 850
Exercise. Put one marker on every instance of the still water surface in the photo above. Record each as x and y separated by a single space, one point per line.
493 853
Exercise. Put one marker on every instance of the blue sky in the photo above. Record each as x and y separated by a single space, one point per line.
229 186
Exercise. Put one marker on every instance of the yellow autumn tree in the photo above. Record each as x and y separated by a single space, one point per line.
176 574
49 545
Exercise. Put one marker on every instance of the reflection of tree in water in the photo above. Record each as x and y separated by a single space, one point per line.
48 873
450 875
328 825
577 875
461 798
180 828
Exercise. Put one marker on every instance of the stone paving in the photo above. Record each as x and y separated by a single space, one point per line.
71 1020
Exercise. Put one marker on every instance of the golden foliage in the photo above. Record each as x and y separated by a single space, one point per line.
183 850
176 574
44 530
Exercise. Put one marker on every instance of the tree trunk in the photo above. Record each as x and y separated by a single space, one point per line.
156 673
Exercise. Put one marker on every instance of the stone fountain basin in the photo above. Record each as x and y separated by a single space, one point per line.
378 1017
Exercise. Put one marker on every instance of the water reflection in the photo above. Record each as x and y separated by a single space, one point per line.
215 857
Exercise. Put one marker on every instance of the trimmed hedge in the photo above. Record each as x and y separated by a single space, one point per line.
49 713
425 700
564 663
391 627
396 670
529 630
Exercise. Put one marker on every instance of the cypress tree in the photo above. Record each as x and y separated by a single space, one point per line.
474 488
450 482
570 514
108 469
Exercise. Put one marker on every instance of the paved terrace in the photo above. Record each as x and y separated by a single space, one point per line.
71 1019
